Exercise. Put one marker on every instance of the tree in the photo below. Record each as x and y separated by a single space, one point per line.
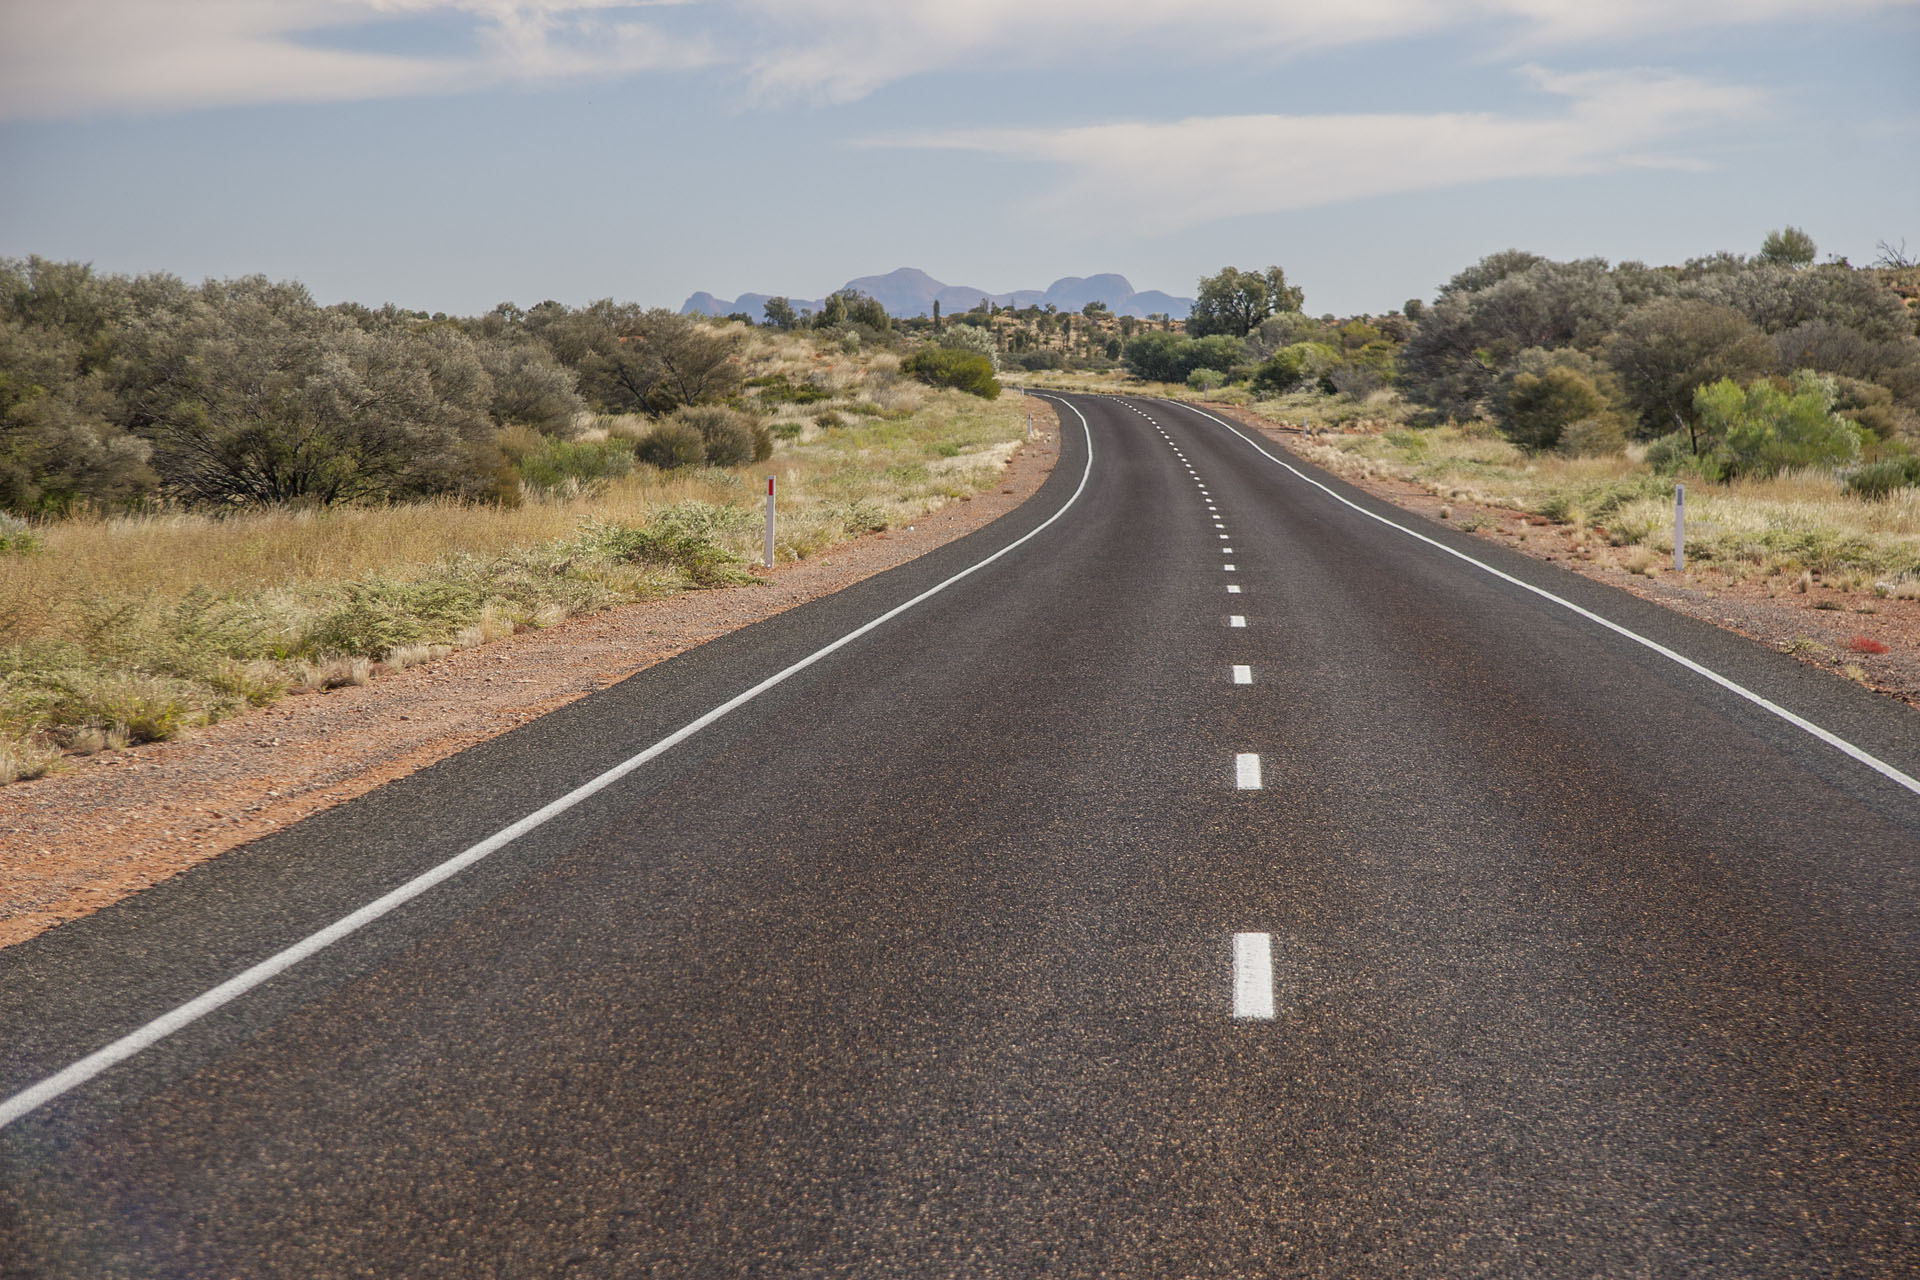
1096 310
1788 247
662 360
1667 350
779 313
1233 301
1488 314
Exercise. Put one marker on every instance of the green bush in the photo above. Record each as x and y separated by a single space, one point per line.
1764 430
776 388
1881 479
671 445
680 537
1295 365
584 462
966 371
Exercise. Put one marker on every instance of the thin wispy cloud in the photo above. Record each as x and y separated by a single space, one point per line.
841 50
81 56
70 57
1157 177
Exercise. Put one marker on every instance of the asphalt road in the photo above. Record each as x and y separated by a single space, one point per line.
923 961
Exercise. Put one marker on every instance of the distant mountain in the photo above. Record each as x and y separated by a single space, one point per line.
912 292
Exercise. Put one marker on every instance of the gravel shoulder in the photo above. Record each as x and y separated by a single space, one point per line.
1838 631
119 822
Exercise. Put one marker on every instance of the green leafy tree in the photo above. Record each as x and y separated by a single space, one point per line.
780 314
1789 247
1763 429
1234 302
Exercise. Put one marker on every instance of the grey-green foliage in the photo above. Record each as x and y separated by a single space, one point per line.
1508 302
729 438
530 388
1667 350
966 337
251 394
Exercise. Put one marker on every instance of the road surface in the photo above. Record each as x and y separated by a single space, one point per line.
1223 881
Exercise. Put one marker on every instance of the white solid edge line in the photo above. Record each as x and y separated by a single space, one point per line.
38 1095
1242 674
1253 976
1246 771
1832 739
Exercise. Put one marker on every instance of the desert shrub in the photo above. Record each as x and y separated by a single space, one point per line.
1301 364
1763 430
786 430
544 462
530 388
680 537
777 388
1881 479
1603 435
1544 392
965 337
16 534
1204 380
730 439
1040 361
671 445
962 370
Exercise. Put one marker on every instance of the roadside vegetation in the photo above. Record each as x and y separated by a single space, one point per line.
218 496
1784 393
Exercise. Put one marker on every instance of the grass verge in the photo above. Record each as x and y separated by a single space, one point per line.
115 632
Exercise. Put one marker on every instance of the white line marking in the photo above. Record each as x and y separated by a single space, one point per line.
1246 771
1233 591
1242 674
1227 567
1832 739
1226 551
38 1095
1253 975
1236 620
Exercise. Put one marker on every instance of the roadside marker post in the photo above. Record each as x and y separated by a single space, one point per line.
769 522
1679 528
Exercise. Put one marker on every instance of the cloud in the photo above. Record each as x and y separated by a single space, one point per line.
1160 177
840 50
78 56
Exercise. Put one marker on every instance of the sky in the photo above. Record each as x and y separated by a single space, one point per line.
452 154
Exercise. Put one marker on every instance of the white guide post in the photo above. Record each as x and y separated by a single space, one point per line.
769 522
1679 528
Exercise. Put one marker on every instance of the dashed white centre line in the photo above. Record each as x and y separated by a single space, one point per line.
1226 551
1236 620
1253 975
1229 568
1232 590
1242 674
1246 771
